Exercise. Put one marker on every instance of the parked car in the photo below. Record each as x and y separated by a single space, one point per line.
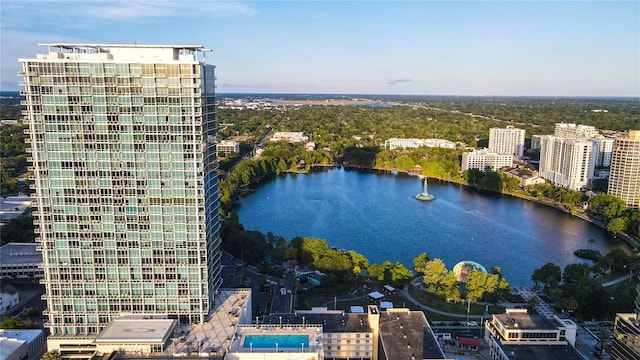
472 323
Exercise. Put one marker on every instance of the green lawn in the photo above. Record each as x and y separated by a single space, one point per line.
437 302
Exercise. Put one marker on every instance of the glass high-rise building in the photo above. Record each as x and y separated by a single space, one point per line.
122 142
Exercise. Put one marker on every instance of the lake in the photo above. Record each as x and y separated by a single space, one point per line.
376 215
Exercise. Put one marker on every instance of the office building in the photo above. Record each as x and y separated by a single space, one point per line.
485 160
21 261
122 142
569 163
507 141
518 335
626 337
624 174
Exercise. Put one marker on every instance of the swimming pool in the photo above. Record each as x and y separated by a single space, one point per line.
270 341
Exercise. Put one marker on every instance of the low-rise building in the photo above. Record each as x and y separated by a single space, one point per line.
9 297
289 136
484 160
395 143
21 261
22 344
226 147
519 335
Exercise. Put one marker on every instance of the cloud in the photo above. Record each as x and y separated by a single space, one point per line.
398 81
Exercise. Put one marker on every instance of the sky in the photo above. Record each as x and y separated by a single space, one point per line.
483 48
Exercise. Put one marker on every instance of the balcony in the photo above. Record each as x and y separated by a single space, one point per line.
23 93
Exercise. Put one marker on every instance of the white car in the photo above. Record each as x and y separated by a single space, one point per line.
472 323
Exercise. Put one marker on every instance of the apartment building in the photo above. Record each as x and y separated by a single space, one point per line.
122 143
626 337
507 141
569 163
395 143
484 160
624 174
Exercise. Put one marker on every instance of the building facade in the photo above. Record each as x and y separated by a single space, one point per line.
624 174
122 142
395 143
507 141
569 163
573 131
485 159
226 147
519 335
626 337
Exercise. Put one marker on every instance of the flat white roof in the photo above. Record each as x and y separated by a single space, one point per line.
125 330
107 46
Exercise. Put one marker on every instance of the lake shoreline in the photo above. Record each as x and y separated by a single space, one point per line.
631 241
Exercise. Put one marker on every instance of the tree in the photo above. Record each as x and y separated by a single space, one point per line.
435 273
549 274
617 225
390 272
420 263
574 273
51 355
11 322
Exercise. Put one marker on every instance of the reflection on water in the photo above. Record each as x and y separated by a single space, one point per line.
377 216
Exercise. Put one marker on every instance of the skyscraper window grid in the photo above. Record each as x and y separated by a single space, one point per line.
125 178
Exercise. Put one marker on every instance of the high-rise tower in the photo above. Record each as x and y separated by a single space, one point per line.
624 175
507 141
125 178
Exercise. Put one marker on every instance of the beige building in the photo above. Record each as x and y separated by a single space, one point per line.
226 147
624 174
519 335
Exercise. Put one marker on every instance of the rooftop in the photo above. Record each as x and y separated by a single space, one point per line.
523 321
547 352
20 253
136 328
406 334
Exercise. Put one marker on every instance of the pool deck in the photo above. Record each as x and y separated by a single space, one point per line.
314 332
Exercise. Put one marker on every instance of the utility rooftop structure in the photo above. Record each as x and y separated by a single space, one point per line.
122 142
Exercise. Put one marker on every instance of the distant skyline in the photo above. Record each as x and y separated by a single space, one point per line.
505 48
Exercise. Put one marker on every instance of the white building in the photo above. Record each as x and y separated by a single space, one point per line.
226 147
21 261
122 141
9 297
507 141
604 151
624 176
22 344
573 131
395 143
516 334
289 136
485 159
569 163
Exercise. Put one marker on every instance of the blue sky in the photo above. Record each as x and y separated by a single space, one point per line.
513 48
